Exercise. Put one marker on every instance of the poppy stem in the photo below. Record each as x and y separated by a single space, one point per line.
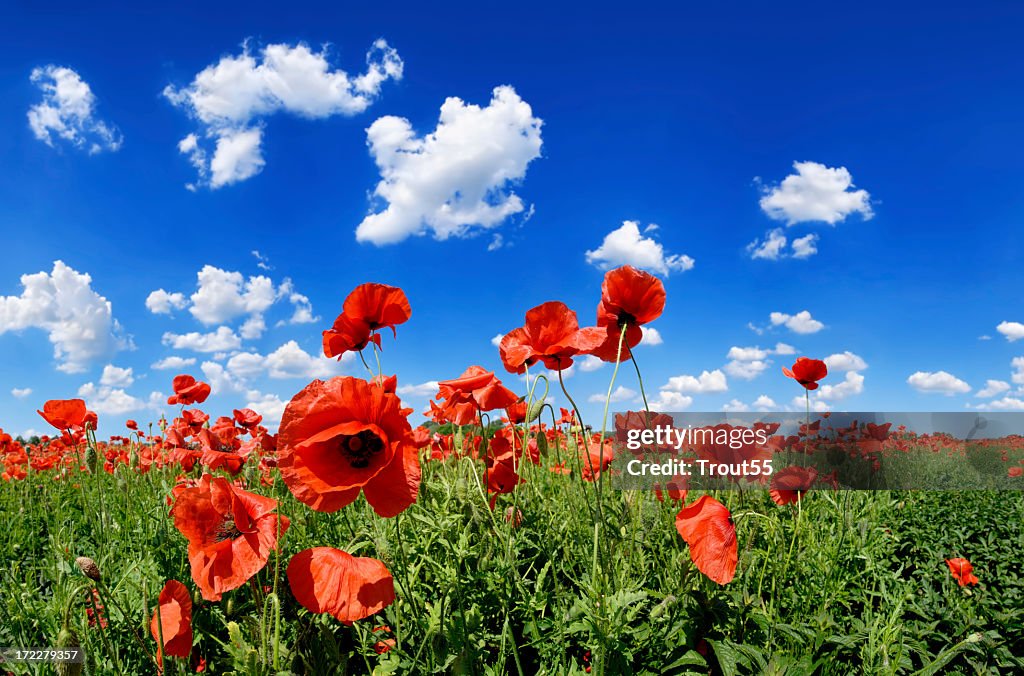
579 421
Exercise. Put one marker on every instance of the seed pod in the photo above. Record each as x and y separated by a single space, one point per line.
89 568
92 459
67 639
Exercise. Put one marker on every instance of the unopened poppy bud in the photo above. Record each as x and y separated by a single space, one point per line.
89 568
534 411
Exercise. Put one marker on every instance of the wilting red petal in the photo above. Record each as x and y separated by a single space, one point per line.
328 580
707 527
175 621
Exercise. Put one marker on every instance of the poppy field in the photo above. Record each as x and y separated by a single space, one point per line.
492 539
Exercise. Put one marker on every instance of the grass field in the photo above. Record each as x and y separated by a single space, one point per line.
865 588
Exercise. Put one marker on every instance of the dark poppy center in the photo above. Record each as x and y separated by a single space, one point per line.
625 319
227 531
359 449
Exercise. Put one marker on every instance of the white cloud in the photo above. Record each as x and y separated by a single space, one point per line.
161 302
67 112
619 395
287 361
799 403
427 389
765 403
270 406
232 98
772 248
221 339
845 361
1017 365
626 246
806 246
735 406
221 382
746 370
115 376
747 353
589 363
670 401
457 177
1004 404
651 336
706 383
783 348
939 382
173 362
816 193
993 388
801 322
106 400
496 341
1012 330
79 320
851 385
21 392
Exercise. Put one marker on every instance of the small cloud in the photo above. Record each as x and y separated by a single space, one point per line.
706 383
172 363
496 341
802 322
993 388
620 395
1013 331
21 392
626 246
217 341
589 363
816 193
651 336
427 389
114 376
938 382
68 112
845 361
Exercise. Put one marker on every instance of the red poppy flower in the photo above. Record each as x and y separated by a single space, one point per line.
807 372
707 527
552 335
476 389
630 298
247 418
188 391
347 335
344 436
327 580
378 306
1015 471
790 483
962 571
132 425
230 533
173 618
64 414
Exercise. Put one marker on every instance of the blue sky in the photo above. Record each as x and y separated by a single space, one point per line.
900 221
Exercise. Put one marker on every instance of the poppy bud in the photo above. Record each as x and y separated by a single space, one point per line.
67 639
534 411
89 568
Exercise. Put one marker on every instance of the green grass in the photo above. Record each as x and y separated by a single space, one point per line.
866 590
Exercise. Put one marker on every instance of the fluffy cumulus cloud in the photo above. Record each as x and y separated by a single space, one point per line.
801 322
232 98
762 403
270 406
78 320
589 363
21 392
993 388
706 383
221 340
619 395
106 400
670 401
651 336
626 245
773 246
223 296
172 363
1004 404
747 363
422 390
852 384
67 112
287 361
938 382
115 376
455 180
1012 330
845 361
816 193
